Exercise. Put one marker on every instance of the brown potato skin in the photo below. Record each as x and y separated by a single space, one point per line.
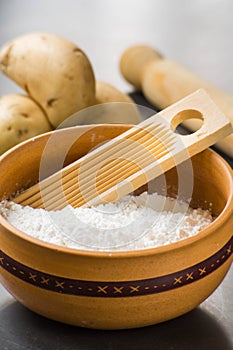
20 119
106 92
53 71
125 113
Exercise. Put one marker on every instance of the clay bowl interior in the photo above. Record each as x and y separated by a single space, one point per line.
121 289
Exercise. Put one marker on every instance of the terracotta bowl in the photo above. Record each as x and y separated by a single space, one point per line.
126 289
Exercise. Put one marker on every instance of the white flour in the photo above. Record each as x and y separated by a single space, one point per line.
132 223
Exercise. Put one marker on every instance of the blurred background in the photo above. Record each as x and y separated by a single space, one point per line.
196 33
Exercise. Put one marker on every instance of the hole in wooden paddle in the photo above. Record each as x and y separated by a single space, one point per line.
193 119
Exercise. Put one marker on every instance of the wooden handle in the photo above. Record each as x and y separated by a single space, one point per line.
133 62
164 82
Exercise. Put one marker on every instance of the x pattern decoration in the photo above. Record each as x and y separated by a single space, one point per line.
117 289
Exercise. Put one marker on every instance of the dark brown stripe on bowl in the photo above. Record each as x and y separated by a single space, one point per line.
117 289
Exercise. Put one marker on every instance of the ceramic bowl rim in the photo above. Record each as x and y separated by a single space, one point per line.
218 222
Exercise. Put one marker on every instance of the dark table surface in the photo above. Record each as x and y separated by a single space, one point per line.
197 34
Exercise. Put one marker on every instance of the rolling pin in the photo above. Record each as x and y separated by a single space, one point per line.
164 82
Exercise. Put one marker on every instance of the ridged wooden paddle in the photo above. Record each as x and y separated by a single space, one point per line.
130 160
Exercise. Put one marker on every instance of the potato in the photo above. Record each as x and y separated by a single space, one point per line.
53 71
111 106
20 119
123 113
106 92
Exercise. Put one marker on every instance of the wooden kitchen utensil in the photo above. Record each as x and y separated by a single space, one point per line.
164 82
130 160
